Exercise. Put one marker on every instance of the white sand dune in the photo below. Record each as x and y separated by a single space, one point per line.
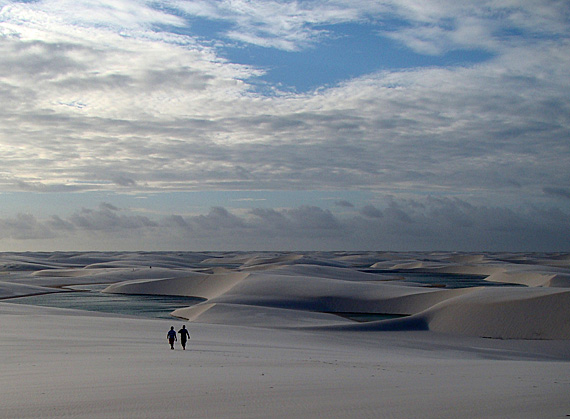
257 316
197 284
266 342
329 295
10 290
238 258
506 313
338 273
63 277
468 258
295 291
263 262
532 279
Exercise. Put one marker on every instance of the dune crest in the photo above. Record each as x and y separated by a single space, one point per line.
532 279
197 284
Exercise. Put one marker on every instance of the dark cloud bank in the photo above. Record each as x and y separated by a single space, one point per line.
433 224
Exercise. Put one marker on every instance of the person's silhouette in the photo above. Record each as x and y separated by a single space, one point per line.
171 336
184 336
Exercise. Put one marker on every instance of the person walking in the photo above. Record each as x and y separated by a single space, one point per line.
184 336
171 336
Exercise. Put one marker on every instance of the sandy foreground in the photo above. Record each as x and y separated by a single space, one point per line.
265 344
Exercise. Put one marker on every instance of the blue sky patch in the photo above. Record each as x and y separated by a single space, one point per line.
353 51
348 51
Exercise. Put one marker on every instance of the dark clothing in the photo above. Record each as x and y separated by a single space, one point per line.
171 335
184 336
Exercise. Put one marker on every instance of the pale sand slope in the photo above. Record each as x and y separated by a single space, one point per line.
10 290
261 347
60 363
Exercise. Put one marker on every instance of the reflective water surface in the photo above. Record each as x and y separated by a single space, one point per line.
90 297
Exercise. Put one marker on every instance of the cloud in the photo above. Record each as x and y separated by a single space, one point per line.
344 204
124 180
371 211
470 128
24 227
131 101
557 192
432 223
443 223
311 218
218 218
116 15
441 26
428 28
176 222
269 216
107 218
289 26
56 223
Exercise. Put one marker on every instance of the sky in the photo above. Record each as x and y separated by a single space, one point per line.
285 125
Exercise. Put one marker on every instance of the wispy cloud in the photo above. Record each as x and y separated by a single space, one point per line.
427 27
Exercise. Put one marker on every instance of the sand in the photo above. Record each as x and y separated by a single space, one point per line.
265 343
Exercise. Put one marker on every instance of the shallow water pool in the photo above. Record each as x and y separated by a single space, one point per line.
90 298
443 280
